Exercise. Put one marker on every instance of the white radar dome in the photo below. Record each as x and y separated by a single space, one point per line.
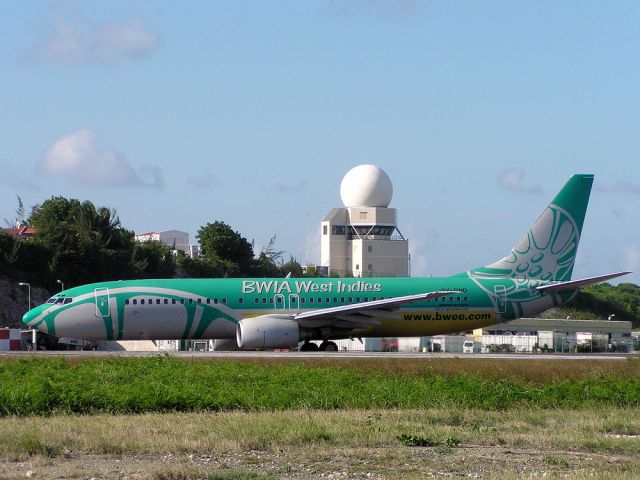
366 186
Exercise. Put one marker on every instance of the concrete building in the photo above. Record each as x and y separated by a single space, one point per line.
559 335
362 239
175 239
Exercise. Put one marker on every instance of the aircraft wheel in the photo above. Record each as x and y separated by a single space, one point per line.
309 347
328 347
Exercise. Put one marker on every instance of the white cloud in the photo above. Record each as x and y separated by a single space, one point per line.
72 39
77 157
621 186
421 246
512 179
289 188
204 181
632 258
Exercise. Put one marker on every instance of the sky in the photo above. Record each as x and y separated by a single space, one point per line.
250 112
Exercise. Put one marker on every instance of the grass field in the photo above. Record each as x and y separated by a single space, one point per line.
169 419
46 386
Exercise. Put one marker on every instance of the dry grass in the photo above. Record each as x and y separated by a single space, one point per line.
302 444
613 430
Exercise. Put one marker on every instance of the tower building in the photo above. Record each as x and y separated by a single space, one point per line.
362 239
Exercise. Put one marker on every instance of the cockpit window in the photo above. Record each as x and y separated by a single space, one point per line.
68 300
51 300
59 301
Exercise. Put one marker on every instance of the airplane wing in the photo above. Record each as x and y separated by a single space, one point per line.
358 315
575 284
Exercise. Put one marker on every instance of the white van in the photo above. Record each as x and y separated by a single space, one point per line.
467 346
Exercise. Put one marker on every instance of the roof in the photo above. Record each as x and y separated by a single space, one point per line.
22 232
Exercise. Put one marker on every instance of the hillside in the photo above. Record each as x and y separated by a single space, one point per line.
600 302
14 302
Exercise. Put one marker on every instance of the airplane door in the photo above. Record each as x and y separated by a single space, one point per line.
102 302
501 298
294 302
278 302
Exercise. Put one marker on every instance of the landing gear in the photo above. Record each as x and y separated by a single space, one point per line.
328 346
325 346
309 347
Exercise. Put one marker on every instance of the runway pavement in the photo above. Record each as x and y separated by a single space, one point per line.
327 355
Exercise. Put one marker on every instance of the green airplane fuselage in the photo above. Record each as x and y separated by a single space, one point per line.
211 308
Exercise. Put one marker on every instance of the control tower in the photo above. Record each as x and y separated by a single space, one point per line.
362 239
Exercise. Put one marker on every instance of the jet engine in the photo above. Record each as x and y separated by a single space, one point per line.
267 331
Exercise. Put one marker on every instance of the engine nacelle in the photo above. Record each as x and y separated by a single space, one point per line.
267 331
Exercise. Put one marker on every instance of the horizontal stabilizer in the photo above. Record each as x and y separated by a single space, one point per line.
575 284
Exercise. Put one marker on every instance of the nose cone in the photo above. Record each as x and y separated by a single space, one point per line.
32 316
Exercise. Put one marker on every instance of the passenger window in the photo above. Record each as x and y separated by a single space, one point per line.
158 301
326 300
182 301
135 302
173 301
224 300
126 302
199 300
365 299
215 300
458 299
303 300
279 299
208 301
151 301
166 301
264 300
257 300
310 299
357 299
350 299
271 300
190 301
241 300
335 299
319 299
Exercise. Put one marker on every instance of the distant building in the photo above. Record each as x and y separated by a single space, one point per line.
362 239
557 335
175 239
19 233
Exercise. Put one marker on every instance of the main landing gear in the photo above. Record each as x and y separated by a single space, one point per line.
323 347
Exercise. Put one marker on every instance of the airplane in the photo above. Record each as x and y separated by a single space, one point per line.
268 313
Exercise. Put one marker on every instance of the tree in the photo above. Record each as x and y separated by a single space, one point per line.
293 267
87 244
21 218
219 242
153 260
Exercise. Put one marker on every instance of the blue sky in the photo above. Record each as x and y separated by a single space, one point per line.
251 112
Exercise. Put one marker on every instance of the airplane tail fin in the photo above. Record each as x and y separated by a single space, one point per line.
547 251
